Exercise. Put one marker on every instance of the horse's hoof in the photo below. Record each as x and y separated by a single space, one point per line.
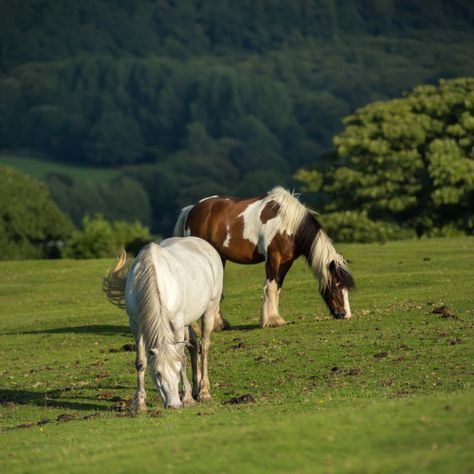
137 408
204 397
188 402
218 327
274 323
222 325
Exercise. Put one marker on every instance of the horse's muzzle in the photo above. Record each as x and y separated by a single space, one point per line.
175 406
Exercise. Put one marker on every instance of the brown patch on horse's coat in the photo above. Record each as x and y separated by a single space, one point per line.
270 211
284 245
214 210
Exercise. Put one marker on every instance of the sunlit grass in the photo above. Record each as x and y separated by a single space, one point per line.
388 391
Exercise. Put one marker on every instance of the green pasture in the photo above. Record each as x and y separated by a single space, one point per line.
388 391
38 168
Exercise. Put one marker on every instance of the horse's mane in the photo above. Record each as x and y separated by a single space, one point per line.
314 243
153 315
322 255
291 211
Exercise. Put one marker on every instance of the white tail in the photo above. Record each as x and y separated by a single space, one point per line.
113 284
180 226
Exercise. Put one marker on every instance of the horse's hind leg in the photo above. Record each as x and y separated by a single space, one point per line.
139 404
187 399
220 322
207 325
193 349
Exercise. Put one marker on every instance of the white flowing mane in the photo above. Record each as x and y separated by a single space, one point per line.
322 254
154 316
292 214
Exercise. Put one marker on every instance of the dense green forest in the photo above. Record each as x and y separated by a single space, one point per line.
401 167
198 97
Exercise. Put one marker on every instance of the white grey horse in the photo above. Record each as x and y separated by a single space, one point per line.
168 287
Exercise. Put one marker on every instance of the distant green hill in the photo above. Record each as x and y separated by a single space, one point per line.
206 97
39 168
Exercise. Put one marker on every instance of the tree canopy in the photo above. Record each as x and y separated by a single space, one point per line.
210 96
408 162
31 225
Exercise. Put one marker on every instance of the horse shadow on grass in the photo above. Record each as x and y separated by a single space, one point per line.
243 327
251 327
97 329
51 399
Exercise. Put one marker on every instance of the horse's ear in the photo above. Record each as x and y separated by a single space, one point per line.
347 279
153 352
342 274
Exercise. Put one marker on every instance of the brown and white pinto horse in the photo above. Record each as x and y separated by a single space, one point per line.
277 229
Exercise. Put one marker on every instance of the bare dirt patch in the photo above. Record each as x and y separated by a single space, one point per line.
122 404
125 348
353 371
241 399
444 311
65 417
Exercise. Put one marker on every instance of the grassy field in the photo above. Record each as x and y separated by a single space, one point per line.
39 168
388 391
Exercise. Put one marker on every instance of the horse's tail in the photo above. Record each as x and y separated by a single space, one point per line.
180 226
113 284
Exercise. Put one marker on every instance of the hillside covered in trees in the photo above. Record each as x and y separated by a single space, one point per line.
198 97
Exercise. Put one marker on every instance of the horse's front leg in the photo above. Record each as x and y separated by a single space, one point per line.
187 399
270 316
139 404
207 325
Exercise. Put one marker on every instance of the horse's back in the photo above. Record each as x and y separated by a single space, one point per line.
188 273
195 247
193 269
211 216
219 221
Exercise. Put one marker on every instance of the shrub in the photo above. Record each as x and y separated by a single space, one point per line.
354 226
100 238
31 225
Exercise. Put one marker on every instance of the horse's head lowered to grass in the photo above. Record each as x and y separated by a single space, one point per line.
335 293
335 279
165 367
